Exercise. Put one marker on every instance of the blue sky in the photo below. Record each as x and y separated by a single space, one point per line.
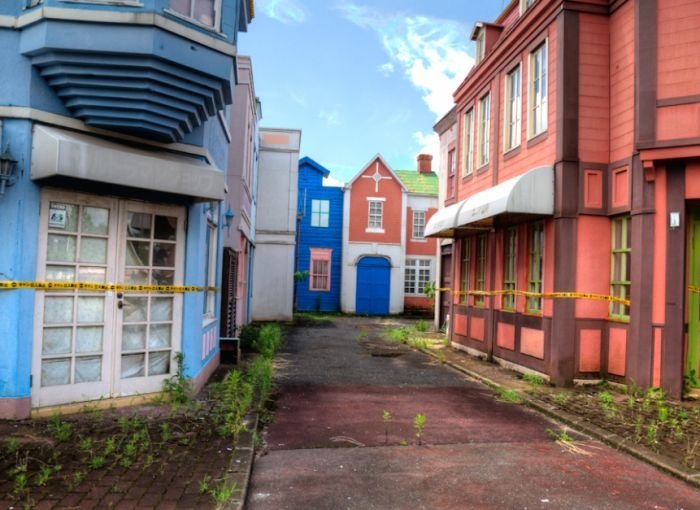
361 77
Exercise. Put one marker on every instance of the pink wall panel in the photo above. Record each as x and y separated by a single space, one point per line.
506 336
692 180
532 342
622 82
589 350
620 187
593 265
593 189
477 331
678 48
656 369
680 121
658 298
460 324
617 351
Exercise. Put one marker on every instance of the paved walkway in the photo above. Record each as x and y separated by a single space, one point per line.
329 448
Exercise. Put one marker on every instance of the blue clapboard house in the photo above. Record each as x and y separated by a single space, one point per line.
319 240
114 138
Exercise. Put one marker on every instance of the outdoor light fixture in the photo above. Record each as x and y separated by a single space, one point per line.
7 170
228 217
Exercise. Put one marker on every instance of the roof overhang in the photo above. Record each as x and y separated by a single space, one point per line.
57 152
525 196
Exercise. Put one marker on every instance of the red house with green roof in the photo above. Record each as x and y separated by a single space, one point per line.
387 261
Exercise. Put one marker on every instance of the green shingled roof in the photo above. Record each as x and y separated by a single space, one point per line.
425 184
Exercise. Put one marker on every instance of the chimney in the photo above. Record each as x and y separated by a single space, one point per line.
424 163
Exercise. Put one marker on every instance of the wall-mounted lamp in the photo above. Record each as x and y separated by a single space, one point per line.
228 217
7 170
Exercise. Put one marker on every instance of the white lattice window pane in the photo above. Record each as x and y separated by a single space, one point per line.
58 310
55 372
88 369
165 228
159 363
91 274
89 339
160 336
135 309
161 309
134 337
56 340
61 248
95 220
91 309
136 276
138 253
60 273
139 225
163 277
93 250
164 254
133 365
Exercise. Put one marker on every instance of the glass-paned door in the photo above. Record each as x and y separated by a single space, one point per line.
692 365
95 344
151 253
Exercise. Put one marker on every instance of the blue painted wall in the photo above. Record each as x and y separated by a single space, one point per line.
311 176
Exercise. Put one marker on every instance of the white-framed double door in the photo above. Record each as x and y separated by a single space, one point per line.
95 344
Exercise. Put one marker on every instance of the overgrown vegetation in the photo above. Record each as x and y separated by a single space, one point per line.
415 336
63 450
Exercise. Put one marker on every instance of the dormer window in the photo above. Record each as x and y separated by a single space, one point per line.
525 5
204 12
480 45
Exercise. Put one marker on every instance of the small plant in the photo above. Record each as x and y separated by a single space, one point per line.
421 326
510 396
560 435
165 432
235 397
249 336
663 413
534 379
97 461
11 444
269 340
419 425
561 397
386 418
418 343
85 444
43 476
204 484
75 479
690 454
690 381
652 434
223 492
399 335
20 486
177 387
60 430
607 402
110 445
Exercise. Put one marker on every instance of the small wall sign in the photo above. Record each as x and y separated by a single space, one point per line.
57 216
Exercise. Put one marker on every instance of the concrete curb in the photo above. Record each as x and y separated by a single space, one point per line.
690 476
240 468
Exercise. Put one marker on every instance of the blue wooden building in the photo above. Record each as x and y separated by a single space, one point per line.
319 239
114 135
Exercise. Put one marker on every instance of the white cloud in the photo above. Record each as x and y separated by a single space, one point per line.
386 69
284 11
330 182
431 51
331 115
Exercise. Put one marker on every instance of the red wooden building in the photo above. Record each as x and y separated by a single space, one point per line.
578 142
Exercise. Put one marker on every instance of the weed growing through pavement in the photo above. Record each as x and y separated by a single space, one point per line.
223 492
386 418
419 425
534 379
421 326
177 388
509 396
60 430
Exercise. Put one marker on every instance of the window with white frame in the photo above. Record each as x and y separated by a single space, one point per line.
320 212
512 109
375 219
525 4
480 45
538 90
210 250
205 12
418 224
417 276
484 128
451 173
468 143
510 247
320 269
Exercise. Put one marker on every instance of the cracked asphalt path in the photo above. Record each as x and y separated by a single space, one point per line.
329 448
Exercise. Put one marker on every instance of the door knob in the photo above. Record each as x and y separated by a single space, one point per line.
120 304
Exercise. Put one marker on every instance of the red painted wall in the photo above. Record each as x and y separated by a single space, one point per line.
678 48
359 208
622 82
427 246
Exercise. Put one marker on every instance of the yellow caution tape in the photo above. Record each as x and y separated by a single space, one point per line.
545 295
693 288
103 287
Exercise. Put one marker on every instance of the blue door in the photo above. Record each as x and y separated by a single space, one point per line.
373 286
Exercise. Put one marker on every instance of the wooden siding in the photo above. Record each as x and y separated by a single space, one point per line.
678 51
331 237
622 82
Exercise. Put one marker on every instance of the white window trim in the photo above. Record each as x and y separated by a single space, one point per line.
468 143
380 229
320 213
212 225
531 133
508 144
482 162
413 264
480 45
525 5
216 27
413 225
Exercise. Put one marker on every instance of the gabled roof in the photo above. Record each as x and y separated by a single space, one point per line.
314 165
416 182
388 167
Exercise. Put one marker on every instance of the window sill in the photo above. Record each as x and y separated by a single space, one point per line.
191 21
115 3
419 240
207 321
619 320
538 138
482 169
511 153
468 177
371 230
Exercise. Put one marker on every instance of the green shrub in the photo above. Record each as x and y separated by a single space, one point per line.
421 326
234 399
248 337
259 375
269 340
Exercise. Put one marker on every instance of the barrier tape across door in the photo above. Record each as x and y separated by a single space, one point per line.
544 295
102 287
